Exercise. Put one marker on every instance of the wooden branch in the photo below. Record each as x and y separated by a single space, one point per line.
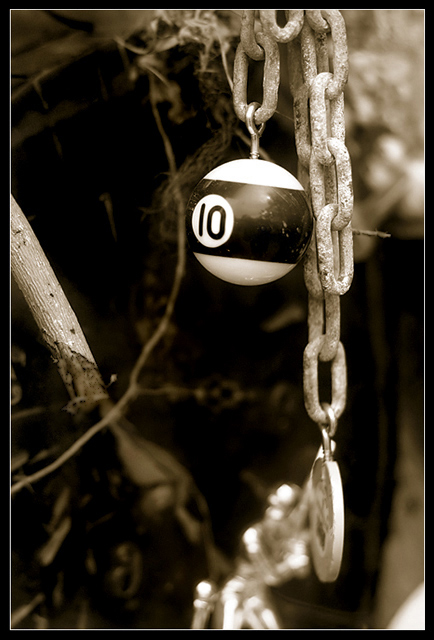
111 413
54 316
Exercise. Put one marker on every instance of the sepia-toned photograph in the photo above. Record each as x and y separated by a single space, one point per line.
217 319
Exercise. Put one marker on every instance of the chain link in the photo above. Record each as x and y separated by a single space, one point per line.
295 18
320 140
318 71
271 77
275 549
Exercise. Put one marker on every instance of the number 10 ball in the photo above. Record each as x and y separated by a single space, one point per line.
248 222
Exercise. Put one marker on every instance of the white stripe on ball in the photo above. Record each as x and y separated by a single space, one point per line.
257 172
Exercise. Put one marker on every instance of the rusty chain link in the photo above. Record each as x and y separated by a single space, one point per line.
326 175
317 79
275 548
270 53
262 45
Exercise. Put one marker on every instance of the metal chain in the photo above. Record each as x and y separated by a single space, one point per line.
276 548
326 176
262 45
317 84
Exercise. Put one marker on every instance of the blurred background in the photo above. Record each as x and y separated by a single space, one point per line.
111 539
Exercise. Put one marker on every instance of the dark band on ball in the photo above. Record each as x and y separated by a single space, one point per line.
262 229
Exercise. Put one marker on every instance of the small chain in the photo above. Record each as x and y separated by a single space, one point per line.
317 82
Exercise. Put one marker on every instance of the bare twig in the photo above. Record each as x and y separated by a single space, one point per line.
376 234
180 265
53 314
66 455
113 412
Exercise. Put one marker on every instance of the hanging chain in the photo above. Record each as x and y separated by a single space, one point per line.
317 84
325 172
276 548
262 45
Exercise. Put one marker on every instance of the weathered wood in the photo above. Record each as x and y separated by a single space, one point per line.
54 315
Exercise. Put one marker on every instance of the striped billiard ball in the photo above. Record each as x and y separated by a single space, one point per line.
248 222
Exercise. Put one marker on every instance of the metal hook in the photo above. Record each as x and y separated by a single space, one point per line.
255 133
326 444
332 421
328 430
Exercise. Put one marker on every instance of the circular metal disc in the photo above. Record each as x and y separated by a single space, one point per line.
326 519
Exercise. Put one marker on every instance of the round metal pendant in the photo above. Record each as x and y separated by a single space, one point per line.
326 517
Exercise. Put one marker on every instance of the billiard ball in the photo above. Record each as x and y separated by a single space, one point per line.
248 222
